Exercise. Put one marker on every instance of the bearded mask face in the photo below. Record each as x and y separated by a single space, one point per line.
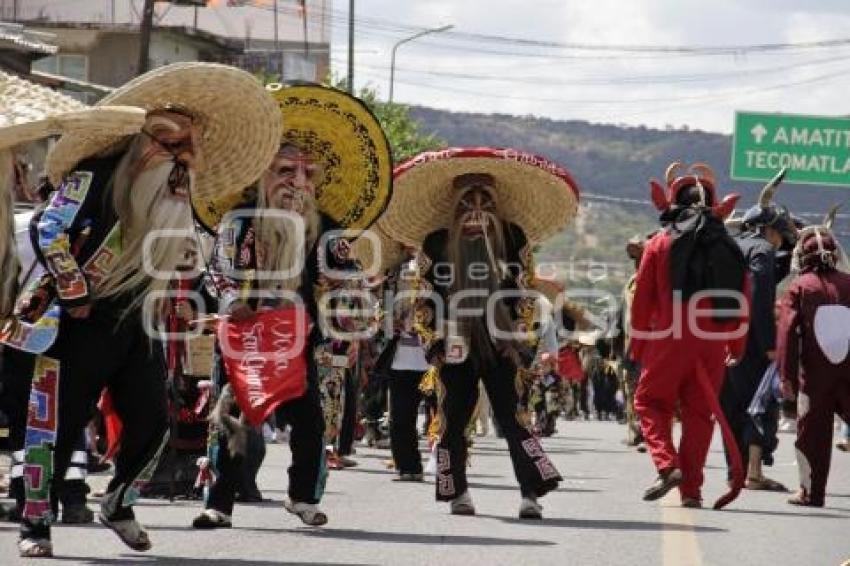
150 195
475 212
291 180
288 185
171 136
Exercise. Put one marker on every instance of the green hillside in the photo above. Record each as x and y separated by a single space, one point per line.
610 161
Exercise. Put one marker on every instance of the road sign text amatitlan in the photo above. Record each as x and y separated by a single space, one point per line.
816 149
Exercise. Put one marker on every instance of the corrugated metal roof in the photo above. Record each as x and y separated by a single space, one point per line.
18 37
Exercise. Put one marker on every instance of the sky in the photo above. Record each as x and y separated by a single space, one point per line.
637 66
449 70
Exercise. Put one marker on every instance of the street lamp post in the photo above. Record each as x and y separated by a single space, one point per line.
408 40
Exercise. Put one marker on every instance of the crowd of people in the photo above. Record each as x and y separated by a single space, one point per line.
220 264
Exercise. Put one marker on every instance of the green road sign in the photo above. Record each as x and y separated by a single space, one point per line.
815 149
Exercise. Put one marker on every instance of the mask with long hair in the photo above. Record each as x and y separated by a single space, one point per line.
476 241
146 200
279 247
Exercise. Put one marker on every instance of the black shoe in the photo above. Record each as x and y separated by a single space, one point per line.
250 497
212 519
666 481
77 514
96 466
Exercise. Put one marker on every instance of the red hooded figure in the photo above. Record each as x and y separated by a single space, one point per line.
812 353
682 335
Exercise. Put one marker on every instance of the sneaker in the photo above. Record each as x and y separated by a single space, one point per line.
462 505
309 513
129 531
35 548
691 503
416 477
212 519
666 481
77 514
346 461
530 509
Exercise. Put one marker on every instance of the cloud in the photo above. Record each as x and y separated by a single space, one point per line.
652 89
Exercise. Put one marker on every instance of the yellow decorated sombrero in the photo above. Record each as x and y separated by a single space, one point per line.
532 192
240 129
341 133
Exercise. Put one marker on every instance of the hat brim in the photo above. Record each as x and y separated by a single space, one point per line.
103 121
240 129
341 133
531 192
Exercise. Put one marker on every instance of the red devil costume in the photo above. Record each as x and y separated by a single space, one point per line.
812 348
692 253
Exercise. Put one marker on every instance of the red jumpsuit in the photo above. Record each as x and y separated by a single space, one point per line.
670 363
812 343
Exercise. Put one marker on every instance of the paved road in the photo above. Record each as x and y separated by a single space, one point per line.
596 518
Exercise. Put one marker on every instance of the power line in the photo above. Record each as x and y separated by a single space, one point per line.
601 81
616 51
596 101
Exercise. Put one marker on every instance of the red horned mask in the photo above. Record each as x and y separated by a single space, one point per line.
697 174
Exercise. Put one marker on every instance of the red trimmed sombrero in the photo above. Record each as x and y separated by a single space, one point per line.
532 192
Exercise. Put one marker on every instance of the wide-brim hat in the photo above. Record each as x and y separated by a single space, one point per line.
532 192
30 112
340 132
378 253
240 129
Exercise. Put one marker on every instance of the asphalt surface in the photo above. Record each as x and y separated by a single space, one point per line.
597 518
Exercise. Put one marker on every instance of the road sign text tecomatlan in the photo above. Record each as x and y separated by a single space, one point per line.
815 149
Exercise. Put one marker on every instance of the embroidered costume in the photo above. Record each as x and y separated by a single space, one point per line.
482 206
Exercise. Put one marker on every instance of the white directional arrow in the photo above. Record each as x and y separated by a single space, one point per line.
759 131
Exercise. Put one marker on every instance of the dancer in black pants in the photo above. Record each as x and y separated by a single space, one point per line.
405 397
475 213
265 260
306 474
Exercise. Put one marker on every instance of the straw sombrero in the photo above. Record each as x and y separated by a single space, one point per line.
378 254
241 129
341 133
30 112
531 192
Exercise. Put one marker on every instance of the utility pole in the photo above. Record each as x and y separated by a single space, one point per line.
15 10
276 39
145 37
113 12
350 46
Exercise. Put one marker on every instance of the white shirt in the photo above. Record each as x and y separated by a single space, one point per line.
409 354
